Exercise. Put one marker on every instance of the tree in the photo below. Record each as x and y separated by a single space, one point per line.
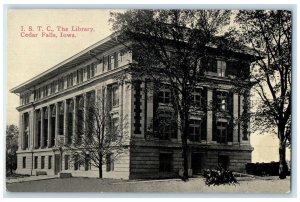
12 133
101 137
268 34
167 47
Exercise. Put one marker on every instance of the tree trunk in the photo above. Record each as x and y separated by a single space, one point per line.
100 171
185 176
283 169
185 154
100 166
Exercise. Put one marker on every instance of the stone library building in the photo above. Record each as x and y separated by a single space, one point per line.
52 102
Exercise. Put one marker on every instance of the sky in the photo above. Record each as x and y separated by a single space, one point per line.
29 56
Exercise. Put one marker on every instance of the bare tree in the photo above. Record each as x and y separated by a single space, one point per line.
12 133
268 34
101 138
168 47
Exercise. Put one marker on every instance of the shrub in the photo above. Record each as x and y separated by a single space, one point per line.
219 176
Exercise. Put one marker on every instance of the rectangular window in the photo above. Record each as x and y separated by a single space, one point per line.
88 72
36 162
35 95
222 101
196 97
165 162
45 91
105 63
195 130
115 96
42 162
221 68
120 56
53 87
116 60
110 64
167 127
49 162
24 162
221 132
60 84
93 69
70 80
79 75
25 99
164 97
114 128
210 64
109 163
67 158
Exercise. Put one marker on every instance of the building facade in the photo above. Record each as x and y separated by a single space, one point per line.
52 102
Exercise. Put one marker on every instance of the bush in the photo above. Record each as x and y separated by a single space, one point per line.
263 169
219 176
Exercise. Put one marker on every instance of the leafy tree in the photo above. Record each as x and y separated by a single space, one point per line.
167 47
268 34
12 133
100 137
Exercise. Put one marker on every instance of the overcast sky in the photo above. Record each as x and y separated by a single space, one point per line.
30 56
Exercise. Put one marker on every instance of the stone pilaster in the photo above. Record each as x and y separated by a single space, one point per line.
35 126
84 96
49 127
235 117
74 120
31 129
21 131
65 122
241 113
209 115
149 108
42 128
56 124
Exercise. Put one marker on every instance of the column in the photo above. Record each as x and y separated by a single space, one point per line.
42 128
66 121
84 115
209 115
235 117
32 129
121 108
74 120
143 112
57 139
35 127
49 126
21 123
241 114
150 106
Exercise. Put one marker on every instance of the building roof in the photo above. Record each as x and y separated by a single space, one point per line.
67 64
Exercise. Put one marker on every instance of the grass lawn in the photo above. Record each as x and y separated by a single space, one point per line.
195 185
